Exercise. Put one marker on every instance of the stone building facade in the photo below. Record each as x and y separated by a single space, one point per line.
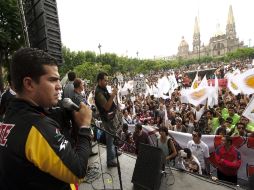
220 44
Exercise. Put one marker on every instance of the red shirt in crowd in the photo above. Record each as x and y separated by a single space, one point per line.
228 161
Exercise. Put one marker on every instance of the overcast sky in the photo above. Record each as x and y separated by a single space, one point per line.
151 27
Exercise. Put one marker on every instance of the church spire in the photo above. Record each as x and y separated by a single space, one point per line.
231 19
196 26
196 36
230 28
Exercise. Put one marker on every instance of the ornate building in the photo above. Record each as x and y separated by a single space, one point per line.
220 44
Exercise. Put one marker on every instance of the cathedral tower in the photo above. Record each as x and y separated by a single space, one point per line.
230 28
196 36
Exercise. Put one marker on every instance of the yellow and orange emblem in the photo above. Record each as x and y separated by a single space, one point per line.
195 85
198 94
233 85
249 81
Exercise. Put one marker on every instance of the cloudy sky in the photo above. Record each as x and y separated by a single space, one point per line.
150 27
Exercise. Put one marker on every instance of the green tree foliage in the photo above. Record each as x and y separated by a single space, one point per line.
11 33
90 70
87 64
241 53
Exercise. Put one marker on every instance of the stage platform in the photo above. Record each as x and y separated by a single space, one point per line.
176 180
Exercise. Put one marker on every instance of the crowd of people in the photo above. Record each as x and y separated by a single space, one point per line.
28 109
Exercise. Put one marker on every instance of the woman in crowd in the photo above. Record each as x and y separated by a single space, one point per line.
165 143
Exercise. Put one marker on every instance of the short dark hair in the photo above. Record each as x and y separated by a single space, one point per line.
188 152
197 132
221 130
240 124
101 76
77 82
71 76
29 62
229 120
164 129
138 126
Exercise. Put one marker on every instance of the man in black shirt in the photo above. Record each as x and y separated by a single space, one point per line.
107 109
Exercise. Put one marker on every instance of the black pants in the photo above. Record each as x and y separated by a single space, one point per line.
222 176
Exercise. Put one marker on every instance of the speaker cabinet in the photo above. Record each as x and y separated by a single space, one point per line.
251 182
148 168
43 26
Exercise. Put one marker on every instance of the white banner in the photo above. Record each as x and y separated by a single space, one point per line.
139 85
244 145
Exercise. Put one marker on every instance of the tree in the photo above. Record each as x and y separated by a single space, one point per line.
68 57
89 70
11 33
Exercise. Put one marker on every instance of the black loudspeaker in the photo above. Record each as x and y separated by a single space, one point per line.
43 26
148 168
251 182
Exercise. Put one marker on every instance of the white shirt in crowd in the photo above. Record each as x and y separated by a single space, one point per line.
201 151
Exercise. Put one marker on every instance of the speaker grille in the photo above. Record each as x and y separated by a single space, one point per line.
148 167
43 26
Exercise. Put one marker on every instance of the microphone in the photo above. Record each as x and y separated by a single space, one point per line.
70 105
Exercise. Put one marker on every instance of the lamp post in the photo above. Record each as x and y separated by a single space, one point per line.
99 46
137 54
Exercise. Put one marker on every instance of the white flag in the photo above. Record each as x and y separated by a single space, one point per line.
197 96
204 82
233 85
195 82
249 110
246 82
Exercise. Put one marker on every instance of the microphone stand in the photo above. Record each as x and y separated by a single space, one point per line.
116 139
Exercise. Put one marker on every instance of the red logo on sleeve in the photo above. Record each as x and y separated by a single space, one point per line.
5 130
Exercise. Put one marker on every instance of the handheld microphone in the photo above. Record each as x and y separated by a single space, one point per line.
70 105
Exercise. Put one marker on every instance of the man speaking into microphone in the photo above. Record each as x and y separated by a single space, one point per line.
34 154
104 102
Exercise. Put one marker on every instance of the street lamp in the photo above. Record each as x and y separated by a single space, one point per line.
99 46
137 54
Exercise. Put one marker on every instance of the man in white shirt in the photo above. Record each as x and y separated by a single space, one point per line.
200 150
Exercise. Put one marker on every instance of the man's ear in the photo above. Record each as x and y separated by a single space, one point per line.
28 84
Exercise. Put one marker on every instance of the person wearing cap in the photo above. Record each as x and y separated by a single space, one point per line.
200 150
228 159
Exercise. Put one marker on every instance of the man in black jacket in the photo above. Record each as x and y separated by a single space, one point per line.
107 109
34 154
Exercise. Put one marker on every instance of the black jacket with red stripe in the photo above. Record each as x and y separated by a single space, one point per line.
35 155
